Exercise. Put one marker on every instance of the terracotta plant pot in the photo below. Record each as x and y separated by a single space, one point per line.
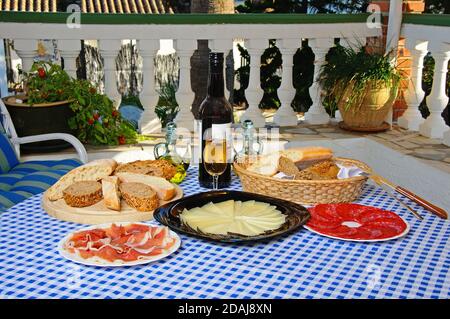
370 110
40 119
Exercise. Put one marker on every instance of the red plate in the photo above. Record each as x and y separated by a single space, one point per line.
356 222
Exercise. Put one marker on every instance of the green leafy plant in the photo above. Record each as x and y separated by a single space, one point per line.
46 83
359 68
96 120
167 107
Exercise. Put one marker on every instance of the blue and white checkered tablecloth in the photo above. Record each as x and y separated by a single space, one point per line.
299 265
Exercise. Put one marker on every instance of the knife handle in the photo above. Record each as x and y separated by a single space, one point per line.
422 202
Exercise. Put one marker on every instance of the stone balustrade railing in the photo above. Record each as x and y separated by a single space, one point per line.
288 29
423 34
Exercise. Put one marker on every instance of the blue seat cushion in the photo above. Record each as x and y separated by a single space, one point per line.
31 178
8 157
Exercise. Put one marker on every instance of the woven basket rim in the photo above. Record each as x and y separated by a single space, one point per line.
358 163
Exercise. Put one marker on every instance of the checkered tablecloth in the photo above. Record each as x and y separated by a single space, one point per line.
299 265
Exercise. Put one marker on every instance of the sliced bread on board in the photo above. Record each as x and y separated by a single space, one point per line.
111 193
92 171
139 196
83 194
161 186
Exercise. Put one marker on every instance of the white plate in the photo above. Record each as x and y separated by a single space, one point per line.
364 240
96 261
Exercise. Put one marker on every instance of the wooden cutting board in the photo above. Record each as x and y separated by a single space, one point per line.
98 213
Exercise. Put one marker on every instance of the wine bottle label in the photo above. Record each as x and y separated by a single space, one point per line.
197 156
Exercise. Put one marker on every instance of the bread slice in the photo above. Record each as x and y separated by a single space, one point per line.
287 166
162 187
139 196
111 193
306 156
265 164
82 194
159 168
92 171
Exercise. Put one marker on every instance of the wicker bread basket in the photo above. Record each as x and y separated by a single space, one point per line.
305 191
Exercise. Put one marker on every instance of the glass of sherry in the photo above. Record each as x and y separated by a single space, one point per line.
215 159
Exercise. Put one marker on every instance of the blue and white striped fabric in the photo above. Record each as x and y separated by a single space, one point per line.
30 178
8 157
298 265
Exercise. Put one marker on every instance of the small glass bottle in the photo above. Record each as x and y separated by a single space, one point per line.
170 151
248 143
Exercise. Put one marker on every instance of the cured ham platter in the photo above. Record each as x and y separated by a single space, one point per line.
119 244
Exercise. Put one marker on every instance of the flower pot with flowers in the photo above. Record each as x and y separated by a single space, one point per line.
44 107
363 84
56 103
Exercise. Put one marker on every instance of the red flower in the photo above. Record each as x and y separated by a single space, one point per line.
91 121
96 116
92 90
122 140
59 91
115 113
41 73
44 95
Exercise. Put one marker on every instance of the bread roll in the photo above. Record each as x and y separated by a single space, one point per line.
111 194
92 171
287 166
161 186
140 196
306 156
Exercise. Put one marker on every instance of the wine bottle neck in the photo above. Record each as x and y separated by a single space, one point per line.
216 84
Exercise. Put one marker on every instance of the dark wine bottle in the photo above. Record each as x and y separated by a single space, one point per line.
214 122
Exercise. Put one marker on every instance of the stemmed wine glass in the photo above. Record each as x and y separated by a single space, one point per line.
215 159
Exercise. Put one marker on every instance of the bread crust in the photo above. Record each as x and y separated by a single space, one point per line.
83 194
92 171
162 187
158 168
139 196
111 193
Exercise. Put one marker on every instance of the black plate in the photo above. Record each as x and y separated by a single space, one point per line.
297 215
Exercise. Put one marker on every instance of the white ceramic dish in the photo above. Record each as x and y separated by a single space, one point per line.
364 240
99 262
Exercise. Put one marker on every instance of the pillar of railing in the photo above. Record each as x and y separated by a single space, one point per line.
412 118
26 50
434 126
70 50
185 95
285 115
148 123
316 113
254 92
109 49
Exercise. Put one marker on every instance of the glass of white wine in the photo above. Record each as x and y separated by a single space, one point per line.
215 159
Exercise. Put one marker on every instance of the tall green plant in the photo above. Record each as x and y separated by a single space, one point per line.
359 68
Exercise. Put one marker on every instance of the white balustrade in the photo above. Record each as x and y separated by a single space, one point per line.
27 50
412 118
254 92
70 50
285 115
109 49
148 123
316 113
185 95
434 126
220 35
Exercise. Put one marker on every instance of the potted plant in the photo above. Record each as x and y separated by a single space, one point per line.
363 84
55 102
44 107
